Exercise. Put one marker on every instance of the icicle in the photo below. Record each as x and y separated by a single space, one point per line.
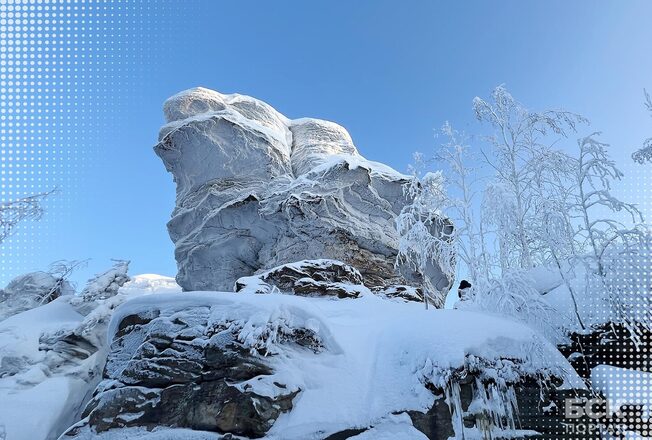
454 402
495 408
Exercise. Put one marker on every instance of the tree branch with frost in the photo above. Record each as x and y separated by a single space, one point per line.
61 270
461 194
644 154
15 211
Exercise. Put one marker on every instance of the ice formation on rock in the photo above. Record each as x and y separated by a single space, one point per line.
257 190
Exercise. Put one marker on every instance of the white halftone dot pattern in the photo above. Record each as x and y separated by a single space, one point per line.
66 68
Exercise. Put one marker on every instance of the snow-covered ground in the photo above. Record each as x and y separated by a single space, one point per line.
43 389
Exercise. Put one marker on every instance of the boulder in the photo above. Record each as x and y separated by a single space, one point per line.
256 190
184 370
307 278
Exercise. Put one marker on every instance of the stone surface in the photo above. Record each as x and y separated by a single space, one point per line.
256 190
485 402
183 370
307 278
401 293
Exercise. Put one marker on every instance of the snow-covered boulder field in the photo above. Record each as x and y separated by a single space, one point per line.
302 351
257 190
281 365
52 355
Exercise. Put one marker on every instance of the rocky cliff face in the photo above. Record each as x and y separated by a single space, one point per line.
257 190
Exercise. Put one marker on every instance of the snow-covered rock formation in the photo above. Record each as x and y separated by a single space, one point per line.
290 367
257 190
52 355
31 290
301 351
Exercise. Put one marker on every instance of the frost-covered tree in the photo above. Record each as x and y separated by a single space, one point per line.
645 153
15 211
599 232
517 139
426 238
594 177
462 194
553 231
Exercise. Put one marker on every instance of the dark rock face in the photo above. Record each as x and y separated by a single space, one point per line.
538 409
613 344
401 292
181 371
307 278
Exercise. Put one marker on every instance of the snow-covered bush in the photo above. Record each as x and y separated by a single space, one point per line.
106 284
514 295
35 289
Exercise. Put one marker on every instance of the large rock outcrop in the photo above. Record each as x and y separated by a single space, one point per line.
257 190
284 366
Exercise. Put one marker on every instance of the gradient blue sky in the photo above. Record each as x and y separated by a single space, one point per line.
388 71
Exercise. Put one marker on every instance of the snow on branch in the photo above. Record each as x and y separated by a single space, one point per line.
645 153
15 211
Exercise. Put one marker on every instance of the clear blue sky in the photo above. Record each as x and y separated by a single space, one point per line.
388 71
